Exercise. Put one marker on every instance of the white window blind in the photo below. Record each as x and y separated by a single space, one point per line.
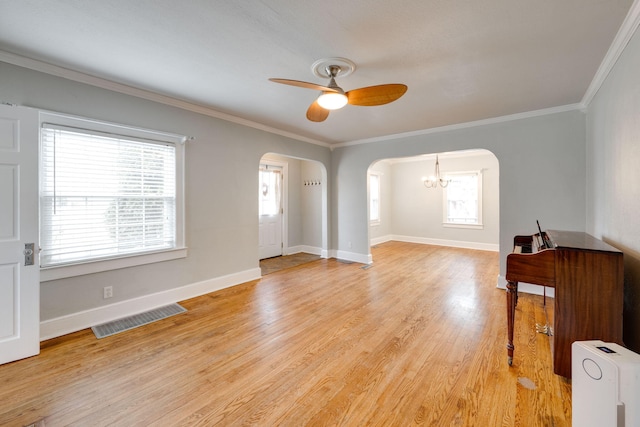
104 196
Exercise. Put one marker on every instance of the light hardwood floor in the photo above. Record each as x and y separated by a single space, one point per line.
416 339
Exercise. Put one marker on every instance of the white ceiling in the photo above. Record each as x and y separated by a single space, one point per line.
462 60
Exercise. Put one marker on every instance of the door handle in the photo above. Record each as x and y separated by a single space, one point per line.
28 253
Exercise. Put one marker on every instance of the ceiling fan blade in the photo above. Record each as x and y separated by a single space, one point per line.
376 95
306 85
316 113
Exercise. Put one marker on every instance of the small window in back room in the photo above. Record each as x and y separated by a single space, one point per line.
463 200
374 198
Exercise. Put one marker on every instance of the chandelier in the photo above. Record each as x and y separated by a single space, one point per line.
434 180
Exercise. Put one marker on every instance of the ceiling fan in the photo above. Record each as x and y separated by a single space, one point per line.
333 97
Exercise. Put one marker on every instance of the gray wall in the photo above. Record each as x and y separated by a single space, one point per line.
613 174
221 176
311 204
541 160
542 173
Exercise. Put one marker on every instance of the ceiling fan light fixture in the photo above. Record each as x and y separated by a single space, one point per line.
333 97
332 100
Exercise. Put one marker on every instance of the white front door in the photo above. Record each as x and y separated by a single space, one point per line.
19 283
270 211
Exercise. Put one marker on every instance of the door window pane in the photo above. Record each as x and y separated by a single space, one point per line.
269 191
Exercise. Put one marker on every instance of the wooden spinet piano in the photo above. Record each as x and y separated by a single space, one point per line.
587 275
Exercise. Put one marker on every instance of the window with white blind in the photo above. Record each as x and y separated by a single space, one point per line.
107 193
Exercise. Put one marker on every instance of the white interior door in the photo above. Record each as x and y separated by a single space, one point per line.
270 211
19 283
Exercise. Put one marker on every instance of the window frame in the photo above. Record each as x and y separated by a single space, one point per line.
445 202
89 266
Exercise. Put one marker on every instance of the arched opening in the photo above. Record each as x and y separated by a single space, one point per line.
408 210
292 217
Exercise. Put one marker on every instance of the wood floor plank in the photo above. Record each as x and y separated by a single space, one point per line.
418 338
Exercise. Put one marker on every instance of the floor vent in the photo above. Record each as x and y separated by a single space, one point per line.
121 325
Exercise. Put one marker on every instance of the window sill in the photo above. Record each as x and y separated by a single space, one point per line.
61 272
469 226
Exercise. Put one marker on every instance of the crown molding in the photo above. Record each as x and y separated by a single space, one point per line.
620 41
476 152
483 122
102 83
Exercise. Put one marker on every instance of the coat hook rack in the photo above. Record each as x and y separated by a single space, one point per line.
311 182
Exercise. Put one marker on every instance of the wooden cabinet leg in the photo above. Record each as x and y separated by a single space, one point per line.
512 300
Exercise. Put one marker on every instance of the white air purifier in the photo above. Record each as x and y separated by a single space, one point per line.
605 389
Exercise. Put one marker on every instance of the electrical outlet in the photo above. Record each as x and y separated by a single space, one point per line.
107 292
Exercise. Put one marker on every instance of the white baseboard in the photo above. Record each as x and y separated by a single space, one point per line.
354 257
453 243
380 240
306 249
527 288
85 319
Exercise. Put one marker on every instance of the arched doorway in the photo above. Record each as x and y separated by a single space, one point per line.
303 205
409 211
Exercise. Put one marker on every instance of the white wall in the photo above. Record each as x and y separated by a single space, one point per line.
613 174
221 197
